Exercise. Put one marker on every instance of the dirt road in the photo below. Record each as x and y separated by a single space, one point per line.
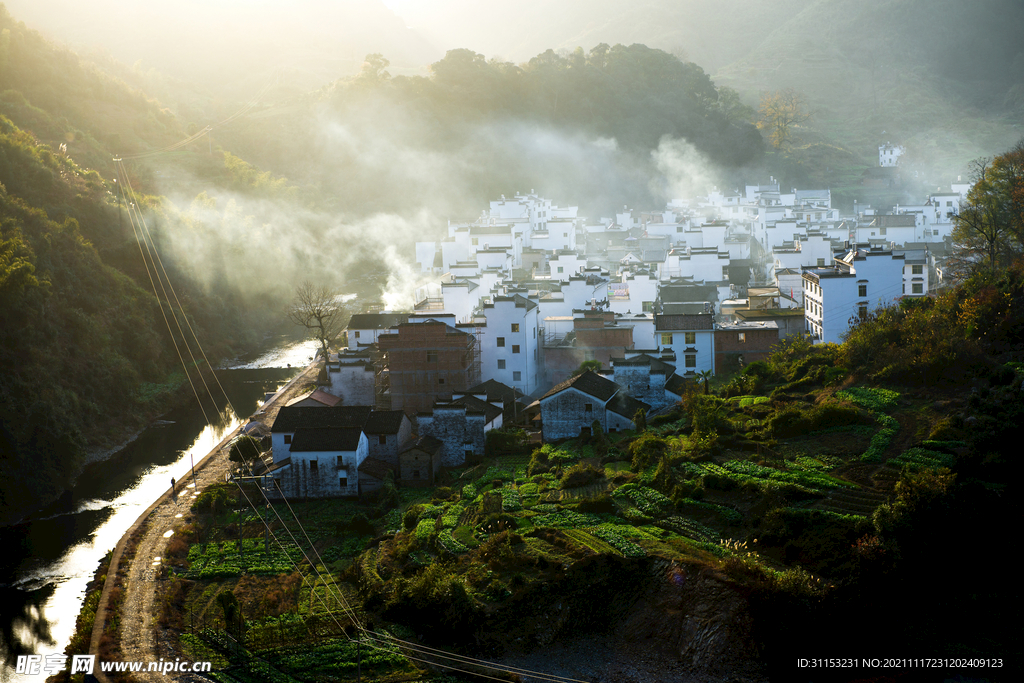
138 612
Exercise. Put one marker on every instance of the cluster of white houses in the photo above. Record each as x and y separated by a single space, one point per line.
527 293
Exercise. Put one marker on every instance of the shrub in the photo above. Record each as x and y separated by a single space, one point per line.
502 442
645 450
580 474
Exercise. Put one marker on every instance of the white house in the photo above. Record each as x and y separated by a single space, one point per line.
850 288
510 341
689 338
317 451
889 154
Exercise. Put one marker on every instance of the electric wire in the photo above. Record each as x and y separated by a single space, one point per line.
350 613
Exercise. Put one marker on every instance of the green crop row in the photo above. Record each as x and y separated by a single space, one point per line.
728 514
424 530
921 458
871 398
448 542
810 479
647 500
881 440
690 529
511 501
610 534
565 519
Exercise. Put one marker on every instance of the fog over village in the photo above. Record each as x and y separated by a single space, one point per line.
437 340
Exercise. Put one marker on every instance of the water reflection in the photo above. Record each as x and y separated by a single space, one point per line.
49 561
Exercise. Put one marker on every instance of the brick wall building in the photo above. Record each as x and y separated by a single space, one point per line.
422 363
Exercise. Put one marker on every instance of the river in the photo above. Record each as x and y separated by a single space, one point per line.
48 561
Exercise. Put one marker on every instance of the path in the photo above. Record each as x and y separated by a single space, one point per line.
138 632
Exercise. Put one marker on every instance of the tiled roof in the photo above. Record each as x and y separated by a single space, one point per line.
676 384
375 467
658 367
318 395
293 418
384 422
589 383
376 321
424 443
686 321
477 405
625 405
326 439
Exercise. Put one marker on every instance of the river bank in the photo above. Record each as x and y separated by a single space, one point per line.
124 623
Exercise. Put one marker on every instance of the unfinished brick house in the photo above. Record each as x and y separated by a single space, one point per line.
422 363
740 344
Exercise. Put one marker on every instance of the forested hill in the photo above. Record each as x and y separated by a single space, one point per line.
581 126
83 348
85 353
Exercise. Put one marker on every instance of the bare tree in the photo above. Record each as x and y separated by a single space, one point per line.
316 308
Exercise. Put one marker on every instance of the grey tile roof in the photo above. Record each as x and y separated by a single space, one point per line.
384 422
686 321
326 439
625 405
589 383
293 418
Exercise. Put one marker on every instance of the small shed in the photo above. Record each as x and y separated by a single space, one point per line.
420 461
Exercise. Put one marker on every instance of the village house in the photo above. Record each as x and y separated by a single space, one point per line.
688 339
570 408
853 285
423 362
420 461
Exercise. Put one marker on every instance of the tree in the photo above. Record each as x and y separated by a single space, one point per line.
244 449
780 111
989 227
316 308
704 377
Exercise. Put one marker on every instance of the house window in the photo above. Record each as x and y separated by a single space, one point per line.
341 461
431 356
517 376
440 380
501 341
917 270
666 339
588 355
741 337
287 438
679 228
314 467
501 363
357 334
515 348
515 327
862 311
561 269
588 407
821 263
648 307
343 482
691 338
415 474
862 290
382 439
918 288
691 360
881 232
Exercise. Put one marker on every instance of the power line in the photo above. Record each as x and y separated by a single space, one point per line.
350 613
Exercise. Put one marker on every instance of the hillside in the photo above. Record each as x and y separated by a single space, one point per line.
86 354
944 77
804 507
